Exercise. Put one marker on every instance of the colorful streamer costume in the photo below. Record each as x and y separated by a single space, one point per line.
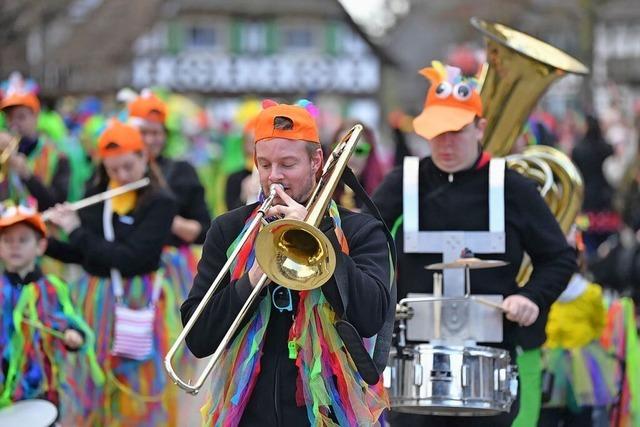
136 392
327 379
33 360
621 338
583 370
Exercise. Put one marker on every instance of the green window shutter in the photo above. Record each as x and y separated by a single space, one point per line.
331 32
176 37
272 37
236 34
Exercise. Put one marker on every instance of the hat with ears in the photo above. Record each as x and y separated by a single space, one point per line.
304 125
147 106
452 101
21 214
17 91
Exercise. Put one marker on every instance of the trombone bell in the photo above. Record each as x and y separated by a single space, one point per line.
295 254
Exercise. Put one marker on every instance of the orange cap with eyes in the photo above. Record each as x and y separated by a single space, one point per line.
21 214
452 101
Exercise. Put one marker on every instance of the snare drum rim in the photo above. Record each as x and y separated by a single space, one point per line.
495 353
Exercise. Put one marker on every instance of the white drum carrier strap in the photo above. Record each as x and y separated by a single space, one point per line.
451 243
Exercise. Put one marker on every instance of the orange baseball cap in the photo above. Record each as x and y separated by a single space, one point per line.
119 138
17 214
19 92
21 99
149 107
452 101
304 125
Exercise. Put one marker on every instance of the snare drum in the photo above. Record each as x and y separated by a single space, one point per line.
31 413
450 380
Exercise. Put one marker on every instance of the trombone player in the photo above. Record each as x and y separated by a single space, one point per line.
39 168
288 365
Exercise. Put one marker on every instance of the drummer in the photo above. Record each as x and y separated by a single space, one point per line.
33 351
453 194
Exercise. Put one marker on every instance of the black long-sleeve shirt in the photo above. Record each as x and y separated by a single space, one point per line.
367 269
46 194
188 193
233 189
463 205
139 237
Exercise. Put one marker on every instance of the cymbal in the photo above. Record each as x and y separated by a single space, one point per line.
471 263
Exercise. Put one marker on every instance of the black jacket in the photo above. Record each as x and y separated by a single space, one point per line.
233 189
189 195
46 195
139 237
367 267
462 205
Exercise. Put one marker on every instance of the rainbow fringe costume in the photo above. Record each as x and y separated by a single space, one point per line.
621 337
584 372
319 353
136 393
35 359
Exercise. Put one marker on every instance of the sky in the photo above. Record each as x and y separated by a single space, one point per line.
376 16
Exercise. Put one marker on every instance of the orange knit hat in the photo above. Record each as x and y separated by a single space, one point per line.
17 214
119 138
18 92
304 126
149 107
452 101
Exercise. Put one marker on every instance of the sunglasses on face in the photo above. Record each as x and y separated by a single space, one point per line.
362 149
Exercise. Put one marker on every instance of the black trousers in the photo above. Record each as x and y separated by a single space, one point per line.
563 417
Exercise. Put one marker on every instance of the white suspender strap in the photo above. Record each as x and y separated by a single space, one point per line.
496 195
410 175
109 236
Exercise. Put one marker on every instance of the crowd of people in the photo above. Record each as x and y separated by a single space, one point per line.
92 299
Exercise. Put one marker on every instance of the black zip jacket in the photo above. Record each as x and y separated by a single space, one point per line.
272 402
188 193
46 195
462 205
139 237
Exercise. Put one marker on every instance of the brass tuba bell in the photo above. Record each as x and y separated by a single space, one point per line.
518 71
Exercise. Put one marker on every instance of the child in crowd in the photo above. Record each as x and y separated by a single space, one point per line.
39 324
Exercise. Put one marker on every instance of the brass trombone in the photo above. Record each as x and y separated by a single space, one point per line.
6 154
292 253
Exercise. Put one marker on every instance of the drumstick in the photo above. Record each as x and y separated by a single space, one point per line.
488 303
101 197
437 305
39 325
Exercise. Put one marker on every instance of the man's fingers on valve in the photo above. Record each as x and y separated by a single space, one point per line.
278 210
284 196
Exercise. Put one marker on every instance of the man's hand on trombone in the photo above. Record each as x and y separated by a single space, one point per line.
289 210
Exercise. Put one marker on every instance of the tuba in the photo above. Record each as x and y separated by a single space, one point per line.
292 253
518 71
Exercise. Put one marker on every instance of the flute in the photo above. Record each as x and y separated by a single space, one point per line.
101 197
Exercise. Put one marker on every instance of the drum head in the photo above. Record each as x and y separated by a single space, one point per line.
32 413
